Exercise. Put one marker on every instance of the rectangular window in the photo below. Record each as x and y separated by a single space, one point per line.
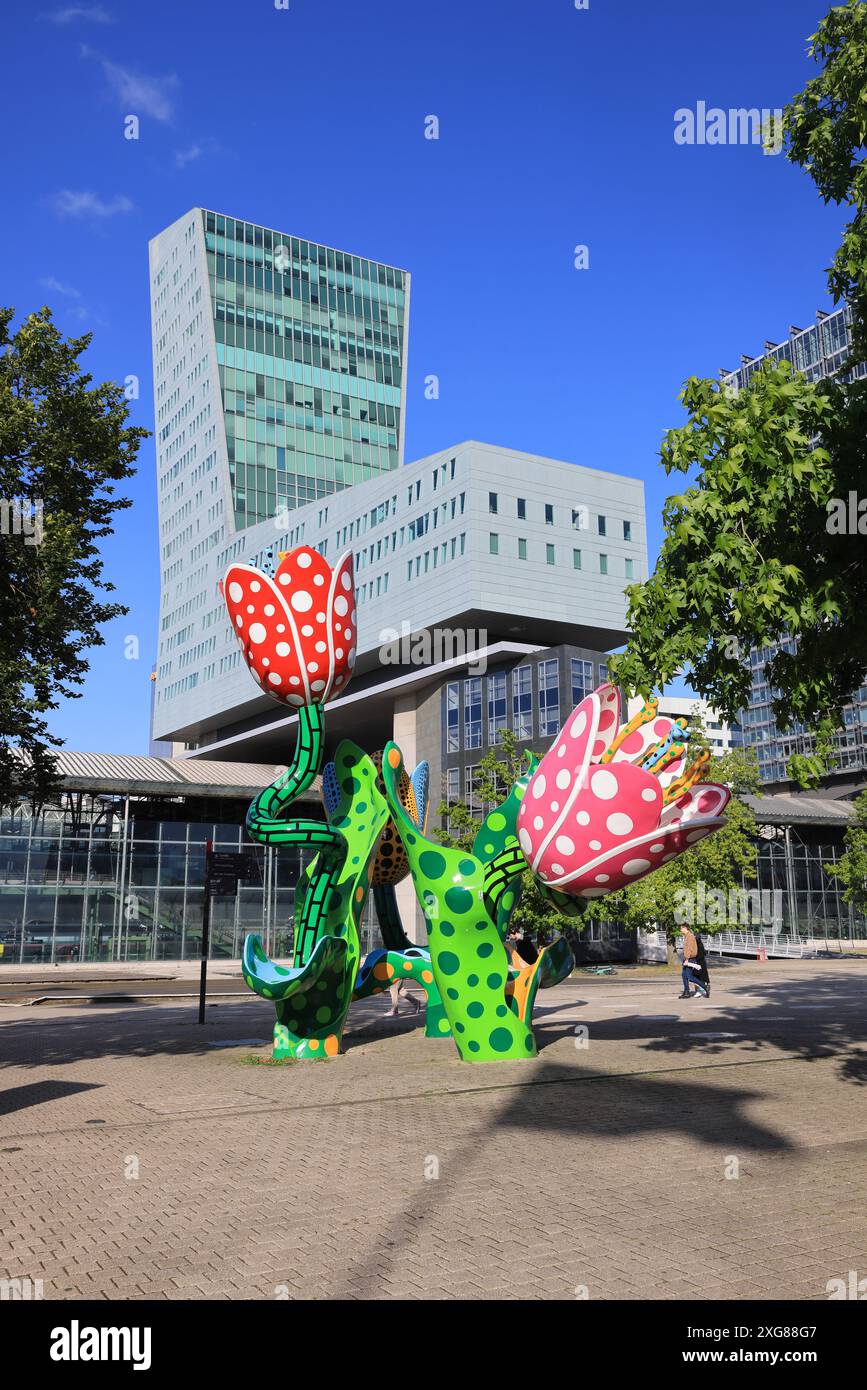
627 530
600 522
453 787
576 559
603 673
603 564
549 698
522 548
549 554
492 502
471 790
453 718
522 509
549 514
473 712
582 679
496 707
522 701
494 543
629 569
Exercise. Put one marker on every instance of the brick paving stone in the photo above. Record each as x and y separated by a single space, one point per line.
568 1170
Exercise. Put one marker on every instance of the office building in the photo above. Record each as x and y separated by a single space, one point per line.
818 351
279 379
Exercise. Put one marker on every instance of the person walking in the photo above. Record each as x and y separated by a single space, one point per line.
694 969
396 989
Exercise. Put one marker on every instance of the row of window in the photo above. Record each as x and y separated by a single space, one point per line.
485 703
551 555
580 516
431 559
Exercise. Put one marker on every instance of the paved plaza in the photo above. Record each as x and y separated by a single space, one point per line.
145 1156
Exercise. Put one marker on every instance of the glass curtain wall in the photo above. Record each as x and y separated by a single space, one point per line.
91 880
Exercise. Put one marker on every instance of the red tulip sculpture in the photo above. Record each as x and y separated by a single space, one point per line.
609 803
297 630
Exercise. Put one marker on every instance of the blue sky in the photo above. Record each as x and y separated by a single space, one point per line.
556 129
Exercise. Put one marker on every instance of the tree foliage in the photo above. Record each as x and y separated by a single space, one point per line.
64 443
749 557
851 868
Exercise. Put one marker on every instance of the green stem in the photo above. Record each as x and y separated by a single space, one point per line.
267 808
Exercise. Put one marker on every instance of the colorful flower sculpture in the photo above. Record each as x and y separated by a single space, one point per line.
605 806
297 630
609 804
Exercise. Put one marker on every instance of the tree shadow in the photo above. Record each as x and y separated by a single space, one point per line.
585 1107
815 1019
38 1092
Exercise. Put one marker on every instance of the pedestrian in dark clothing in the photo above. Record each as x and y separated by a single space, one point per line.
694 970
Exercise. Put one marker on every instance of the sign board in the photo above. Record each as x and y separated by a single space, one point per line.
223 869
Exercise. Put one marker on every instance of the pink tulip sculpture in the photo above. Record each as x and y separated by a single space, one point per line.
610 803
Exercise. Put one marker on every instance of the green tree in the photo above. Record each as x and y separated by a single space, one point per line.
752 553
851 868
64 443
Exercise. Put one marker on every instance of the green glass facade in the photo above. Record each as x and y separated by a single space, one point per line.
311 349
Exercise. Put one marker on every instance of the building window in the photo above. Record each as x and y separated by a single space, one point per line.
576 559
453 788
522 548
492 502
549 698
453 718
579 518
603 564
471 790
494 543
522 509
630 567
627 530
522 702
603 673
600 521
473 712
549 554
582 680
496 707
549 514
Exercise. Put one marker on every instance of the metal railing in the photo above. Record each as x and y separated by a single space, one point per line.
745 943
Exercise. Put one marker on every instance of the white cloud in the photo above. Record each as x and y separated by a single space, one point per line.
136 92
49 283
183 157
92 14
84 204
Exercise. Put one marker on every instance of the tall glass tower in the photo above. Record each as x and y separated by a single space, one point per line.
310 345
279 379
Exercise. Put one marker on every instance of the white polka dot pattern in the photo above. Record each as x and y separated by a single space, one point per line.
282 651
606 826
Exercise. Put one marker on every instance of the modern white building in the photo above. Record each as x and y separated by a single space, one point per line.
472 549
489 581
